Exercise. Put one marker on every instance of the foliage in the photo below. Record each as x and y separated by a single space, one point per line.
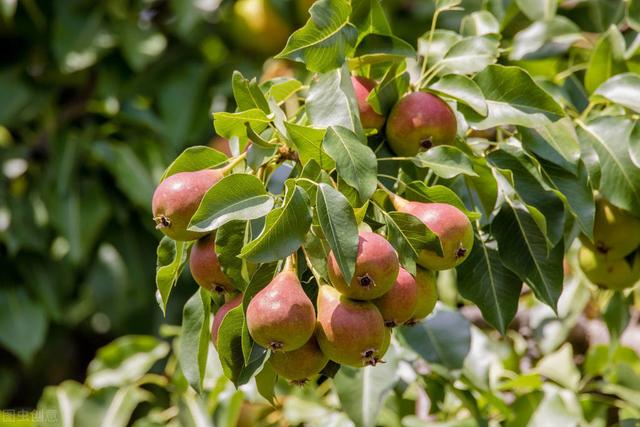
546 116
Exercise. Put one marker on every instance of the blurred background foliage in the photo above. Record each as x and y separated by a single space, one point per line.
96 98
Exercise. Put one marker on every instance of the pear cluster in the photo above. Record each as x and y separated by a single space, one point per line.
612 259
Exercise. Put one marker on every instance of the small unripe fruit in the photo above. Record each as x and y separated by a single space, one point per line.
362 87
427 295
418 122
616 232
258 27
281 316
300 364
614 274
398 305
376 269
219 317
205 267
349 332
452 227
177 198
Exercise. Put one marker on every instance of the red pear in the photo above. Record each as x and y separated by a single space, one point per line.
398 305
427 295
376 269
418 122
300 364
450 224
362 87
349 332
219 317
281 316
205 267
177 198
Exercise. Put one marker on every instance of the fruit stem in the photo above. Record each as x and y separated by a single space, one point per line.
397 201
233 162
290 264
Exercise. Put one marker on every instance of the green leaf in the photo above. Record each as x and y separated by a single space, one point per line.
265 383
393 85
60 403
23 324
195 159
229 240
125 360
471 54
623 89
560 367
235 197
607 59
610 137
409 236
445 161
462 89
633 14
376 48
339 226
545 39
284 230
540 10
616 315
443 338
441 42
308 142
523 250
485 281
332 102
171 259
111 407
513 98
229 125
282 88
195 335
418 191
247 94
325 40
356 163
479 23
556 142
362 390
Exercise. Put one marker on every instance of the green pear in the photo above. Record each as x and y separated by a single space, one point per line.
257 27
376 269
177 198
349 332
300 364
281 316
419 121
616 232
615 274
427 295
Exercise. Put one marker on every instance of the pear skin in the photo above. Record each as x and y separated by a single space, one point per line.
362 87
300 364
219 317
281 316
205 267
376 269
349 332
614 274
177 198
616 233
419 121
398 305
427 295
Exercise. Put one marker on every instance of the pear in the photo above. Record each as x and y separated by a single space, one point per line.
281 316
219 317
376 269
349 332
419 121
362 87
257 27
398 305
205 267
300 364
614 274
177 198
427 295
449 223
616 232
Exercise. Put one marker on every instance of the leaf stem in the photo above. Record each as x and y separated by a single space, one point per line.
425 59
389 159
315 273
233 162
